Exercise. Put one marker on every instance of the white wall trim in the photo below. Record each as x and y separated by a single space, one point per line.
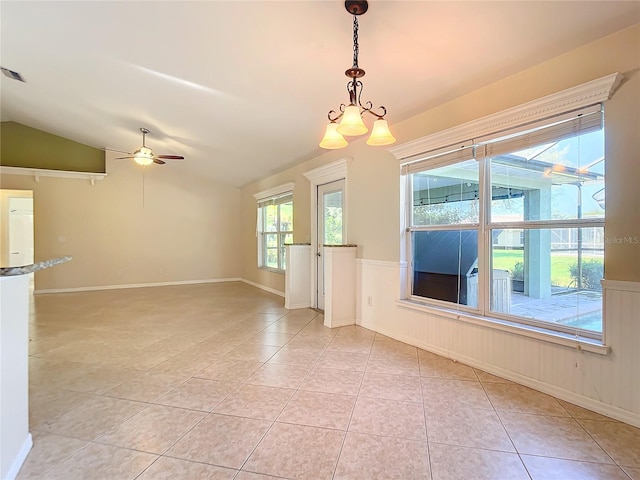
623 286
271 192
263 287
17 463
36 173
329 173
589 93
319 176
135 285
381 263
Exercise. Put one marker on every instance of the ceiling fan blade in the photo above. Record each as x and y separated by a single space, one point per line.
123 158
158 161
171 157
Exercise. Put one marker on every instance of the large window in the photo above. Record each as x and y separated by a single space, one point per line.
511 225
275 229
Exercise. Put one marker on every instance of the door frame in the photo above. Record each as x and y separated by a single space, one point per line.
326 174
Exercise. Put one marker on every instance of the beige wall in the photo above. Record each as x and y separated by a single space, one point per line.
186 230
373 175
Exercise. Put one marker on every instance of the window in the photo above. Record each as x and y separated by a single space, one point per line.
275 229
511 225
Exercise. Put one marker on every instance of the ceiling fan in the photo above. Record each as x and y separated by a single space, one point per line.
145 156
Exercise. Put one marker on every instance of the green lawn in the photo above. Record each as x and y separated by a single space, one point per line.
560 263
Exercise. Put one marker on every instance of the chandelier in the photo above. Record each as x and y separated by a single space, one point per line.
350 116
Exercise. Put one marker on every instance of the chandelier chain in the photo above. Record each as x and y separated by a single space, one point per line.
355 42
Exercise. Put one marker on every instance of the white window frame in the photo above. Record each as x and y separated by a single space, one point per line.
465 135
273 194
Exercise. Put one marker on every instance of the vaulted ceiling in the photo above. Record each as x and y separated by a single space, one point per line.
242 88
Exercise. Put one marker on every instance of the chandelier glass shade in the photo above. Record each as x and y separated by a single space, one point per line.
350 118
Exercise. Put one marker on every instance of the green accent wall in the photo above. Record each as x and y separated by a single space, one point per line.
22 146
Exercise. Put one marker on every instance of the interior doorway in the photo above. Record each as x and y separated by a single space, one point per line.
17 244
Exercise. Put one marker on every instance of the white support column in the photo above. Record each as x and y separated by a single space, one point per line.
297 288
340 285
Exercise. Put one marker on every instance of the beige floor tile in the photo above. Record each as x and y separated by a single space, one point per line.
269 338
255 401
47 452
391 387
297 451
393 365
580 413
221 440
316 328
449 462
92 418
382 458
290 327
343 360
552 437
619 440
92 341
356 332
432 365
316 409
517 398
441 393
147 386
634 473
330 380
45 404
485 377
279 375
102 462
304 341
388 418
183 364
252 353
198 394
351 344
153 430
390 347
477 428
254 476
166 468
296 356
229 370
544 468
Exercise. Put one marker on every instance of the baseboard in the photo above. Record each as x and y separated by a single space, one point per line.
296 306
263 287
611 411
12 473
134 285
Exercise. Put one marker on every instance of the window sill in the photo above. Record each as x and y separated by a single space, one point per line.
272 270
558 338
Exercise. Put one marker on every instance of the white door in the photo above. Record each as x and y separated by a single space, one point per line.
20 231
331 227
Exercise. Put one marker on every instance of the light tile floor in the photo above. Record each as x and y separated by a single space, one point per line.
219 381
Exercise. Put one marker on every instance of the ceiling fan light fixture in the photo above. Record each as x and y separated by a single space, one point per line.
332 139
380 134
143 156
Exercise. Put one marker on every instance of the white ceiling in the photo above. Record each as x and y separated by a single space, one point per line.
242 88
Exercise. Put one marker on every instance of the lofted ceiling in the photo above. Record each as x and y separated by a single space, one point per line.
242 88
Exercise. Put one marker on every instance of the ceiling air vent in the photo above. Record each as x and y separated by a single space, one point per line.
12 74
